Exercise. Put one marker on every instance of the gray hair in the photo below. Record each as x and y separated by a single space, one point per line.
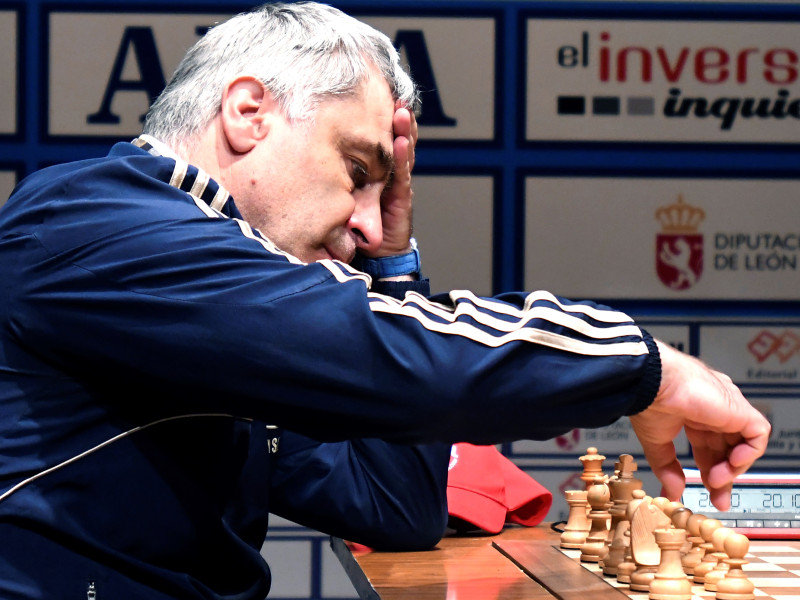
303 53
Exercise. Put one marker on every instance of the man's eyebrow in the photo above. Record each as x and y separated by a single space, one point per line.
377 151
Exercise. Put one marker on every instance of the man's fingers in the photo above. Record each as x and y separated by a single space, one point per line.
405 126
663 460
713 454
401 123
672 480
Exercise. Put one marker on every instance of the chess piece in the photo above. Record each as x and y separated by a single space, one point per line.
621 487
693 557
679 515
617 549
663 504
598 497
735 585
670 582
577 528
715 575
592 466
644 549
628 566
707 529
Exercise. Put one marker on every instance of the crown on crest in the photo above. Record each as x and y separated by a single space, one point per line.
680 217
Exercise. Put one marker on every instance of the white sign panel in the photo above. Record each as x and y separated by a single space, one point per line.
761 355
464 84
663 81
8 71
670 238
105 88
453 226
8 179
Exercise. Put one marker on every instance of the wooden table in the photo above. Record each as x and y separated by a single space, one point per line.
459 567
524 563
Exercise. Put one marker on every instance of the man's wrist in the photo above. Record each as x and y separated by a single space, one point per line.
391 266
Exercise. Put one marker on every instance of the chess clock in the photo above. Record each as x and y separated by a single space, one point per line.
763 505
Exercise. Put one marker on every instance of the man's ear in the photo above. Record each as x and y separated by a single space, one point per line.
247 109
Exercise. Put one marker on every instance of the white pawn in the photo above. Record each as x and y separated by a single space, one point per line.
707 529
735 585
715 575
595 544
692 558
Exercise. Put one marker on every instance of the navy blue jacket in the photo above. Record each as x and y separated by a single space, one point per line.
168 377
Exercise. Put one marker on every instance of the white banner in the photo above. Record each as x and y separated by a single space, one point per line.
663 81
760 355
104 68
461 52
453 220
8 179
663 238
94 57
8 71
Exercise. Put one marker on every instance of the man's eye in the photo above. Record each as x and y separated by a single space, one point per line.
359 175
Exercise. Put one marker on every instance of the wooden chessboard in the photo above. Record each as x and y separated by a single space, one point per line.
774 569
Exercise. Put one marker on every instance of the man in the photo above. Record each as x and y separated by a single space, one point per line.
186 345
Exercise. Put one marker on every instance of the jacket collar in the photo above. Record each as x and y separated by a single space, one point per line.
189 178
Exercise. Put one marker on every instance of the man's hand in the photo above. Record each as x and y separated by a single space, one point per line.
396 205
726 433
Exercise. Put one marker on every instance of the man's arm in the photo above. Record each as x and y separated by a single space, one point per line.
386 496
726 433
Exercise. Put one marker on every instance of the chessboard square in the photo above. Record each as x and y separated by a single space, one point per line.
760 549
781 560
762 567
765 583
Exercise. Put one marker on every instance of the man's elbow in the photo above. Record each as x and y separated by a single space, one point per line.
421 533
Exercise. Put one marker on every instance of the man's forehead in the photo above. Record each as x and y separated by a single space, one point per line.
363 121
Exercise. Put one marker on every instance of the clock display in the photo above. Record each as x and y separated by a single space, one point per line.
751 500
763 505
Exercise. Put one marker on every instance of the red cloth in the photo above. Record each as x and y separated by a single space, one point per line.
487 490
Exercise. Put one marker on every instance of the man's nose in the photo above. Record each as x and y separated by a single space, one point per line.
366 223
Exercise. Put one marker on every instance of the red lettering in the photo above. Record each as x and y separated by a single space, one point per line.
622 63
712 64
780 72
741 64
605 59
706 61
672 73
